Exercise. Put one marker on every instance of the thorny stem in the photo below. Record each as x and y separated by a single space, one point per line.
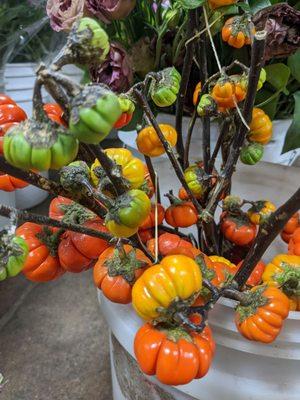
266 234
224 130
153 177
206 119
64 57
51 187
108 165
72 89
216 293
25 216
174 231
257 60
59 96
189 138
186 71
37 102
142 247
144 103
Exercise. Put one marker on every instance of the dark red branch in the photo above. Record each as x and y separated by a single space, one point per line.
267 233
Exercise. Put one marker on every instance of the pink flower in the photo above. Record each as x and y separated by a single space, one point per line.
116 71
109 10
63 13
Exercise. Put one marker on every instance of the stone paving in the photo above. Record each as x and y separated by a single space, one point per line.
53 340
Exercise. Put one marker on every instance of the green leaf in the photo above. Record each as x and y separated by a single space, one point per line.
190 4
269 108
294 64
228 10
244 6
257 5
292 139
278 75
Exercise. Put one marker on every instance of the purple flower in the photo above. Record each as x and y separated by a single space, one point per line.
165 4
63 13
116 71
109 10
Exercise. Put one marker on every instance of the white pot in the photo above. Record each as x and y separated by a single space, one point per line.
242 370
25 198
272 151
19 82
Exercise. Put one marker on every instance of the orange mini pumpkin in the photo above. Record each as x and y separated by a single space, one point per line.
116 271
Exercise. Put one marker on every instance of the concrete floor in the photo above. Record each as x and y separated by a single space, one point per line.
53 340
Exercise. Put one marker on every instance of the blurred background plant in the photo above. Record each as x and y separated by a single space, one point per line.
25 33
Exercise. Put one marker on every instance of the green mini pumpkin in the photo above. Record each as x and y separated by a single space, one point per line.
252 153
164 91
39 146
93 113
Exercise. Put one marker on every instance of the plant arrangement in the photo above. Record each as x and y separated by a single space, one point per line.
103 217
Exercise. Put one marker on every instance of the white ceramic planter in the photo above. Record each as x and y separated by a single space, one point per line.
272 151
19 81
242 370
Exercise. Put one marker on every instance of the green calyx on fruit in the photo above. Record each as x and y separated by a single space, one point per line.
130 209
252 153
74 213
164 89
88 42
206 106
232 203
177 333
75 175
13 254
289 279
94 112
39 145
253 300
124 264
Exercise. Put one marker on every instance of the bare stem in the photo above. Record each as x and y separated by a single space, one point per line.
153 177
257 60
108 165
223 132
188 139
186 71
178 170
72 89
25 216
267 233
51 187
59 96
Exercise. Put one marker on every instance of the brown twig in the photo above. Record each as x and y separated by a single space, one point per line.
186 71
203 73
153 177
188 139
51 187
257 60
267 233
178 170
25 216
109 166
220 140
